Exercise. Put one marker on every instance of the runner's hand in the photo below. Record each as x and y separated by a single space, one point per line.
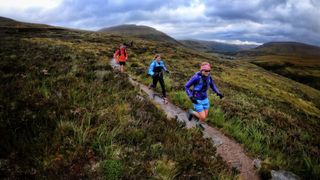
220 95
193 100
155 74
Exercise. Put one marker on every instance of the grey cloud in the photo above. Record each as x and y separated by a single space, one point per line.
254 20
107 13
280 20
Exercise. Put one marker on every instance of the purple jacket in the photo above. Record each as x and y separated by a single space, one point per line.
200 86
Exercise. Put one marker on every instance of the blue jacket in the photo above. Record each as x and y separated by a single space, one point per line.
200 86
156 67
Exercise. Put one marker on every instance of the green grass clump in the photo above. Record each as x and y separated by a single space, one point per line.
180 97
165 169
113 169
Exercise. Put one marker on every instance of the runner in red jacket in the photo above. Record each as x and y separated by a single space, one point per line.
121 55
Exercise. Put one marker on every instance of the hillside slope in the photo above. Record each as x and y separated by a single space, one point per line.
57 74
297 61
10 23
66 115
144 32
286 48
272 116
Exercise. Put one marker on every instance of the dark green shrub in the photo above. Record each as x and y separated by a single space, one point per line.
112 169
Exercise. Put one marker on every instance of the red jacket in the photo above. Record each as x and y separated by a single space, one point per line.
121 55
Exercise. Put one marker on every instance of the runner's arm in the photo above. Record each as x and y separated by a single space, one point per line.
164 67
213 86
150 71
126 54
115 56
188 85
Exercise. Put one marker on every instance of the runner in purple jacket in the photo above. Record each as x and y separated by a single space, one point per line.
198 95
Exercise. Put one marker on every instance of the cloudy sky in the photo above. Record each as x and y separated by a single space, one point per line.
233 21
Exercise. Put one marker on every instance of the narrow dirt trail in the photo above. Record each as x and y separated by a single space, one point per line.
228 149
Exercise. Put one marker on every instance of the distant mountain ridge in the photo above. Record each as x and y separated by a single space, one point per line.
215 47
7 22
294 60
140 32
284 48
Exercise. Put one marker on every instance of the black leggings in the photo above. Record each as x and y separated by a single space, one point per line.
156 78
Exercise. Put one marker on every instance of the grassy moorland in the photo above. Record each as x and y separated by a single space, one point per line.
297 61
275 118
66 114
77 116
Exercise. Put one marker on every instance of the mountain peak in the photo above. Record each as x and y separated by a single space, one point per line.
140 31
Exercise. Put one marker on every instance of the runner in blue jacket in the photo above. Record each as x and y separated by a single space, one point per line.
198 95
156 69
